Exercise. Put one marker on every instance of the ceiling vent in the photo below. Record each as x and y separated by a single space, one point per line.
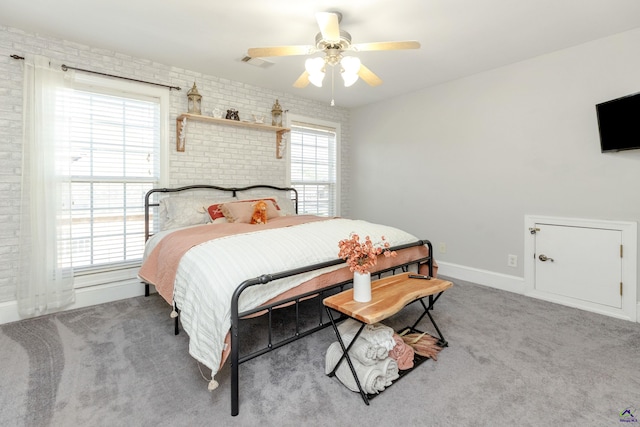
257 62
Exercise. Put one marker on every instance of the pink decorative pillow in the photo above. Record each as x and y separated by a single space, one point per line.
264 198
215 212
242 211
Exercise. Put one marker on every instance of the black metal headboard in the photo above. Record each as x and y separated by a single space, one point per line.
151 201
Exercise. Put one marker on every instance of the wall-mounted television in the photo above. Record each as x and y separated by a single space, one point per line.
619 123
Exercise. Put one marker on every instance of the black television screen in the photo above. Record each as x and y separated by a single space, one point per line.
619 123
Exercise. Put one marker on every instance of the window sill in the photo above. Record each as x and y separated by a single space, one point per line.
106 277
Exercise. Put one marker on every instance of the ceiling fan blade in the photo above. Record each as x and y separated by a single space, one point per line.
302 81
363 47
263 52
368 76
329 26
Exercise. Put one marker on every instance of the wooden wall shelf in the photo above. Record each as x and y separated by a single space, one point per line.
182 118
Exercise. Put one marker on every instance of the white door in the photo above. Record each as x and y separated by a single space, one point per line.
579 262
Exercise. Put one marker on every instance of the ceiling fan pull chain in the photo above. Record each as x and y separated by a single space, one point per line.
333 103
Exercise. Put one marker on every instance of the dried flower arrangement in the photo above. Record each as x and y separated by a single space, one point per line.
361 256
423 344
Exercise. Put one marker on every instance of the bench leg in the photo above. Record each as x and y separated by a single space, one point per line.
345 355
427 309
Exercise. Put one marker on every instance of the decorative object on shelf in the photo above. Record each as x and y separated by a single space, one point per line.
276 114
232 114
258 118
360 257
182 135
217 113
195 100
181 122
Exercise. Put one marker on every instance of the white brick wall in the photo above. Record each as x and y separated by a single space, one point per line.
214 154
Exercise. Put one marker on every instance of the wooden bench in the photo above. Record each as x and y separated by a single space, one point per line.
388 297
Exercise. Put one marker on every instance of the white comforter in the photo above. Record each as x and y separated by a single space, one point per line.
209 273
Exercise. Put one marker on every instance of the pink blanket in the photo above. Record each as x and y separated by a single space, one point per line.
161 266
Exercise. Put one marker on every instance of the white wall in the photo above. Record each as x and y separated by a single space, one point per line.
219 155
463 162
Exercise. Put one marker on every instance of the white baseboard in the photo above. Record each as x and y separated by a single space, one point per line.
85 297
491 279
512 284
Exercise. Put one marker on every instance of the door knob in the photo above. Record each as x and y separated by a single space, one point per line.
544 258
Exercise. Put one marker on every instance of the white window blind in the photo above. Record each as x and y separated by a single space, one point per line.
115 144
313 168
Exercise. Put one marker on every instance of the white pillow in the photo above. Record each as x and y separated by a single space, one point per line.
182 211
286 205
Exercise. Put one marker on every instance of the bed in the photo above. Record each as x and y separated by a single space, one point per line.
205 259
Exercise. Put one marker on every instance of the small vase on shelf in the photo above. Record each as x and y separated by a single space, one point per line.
362 286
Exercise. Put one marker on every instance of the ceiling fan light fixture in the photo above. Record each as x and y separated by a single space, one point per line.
316 79
350 64
349 79
315 68
350 67
333 42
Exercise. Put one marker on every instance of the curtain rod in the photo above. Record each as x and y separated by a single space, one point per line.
66 67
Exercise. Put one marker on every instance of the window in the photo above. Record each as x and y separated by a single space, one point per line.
313 167
115 145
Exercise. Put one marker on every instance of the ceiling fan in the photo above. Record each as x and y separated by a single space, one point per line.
334 42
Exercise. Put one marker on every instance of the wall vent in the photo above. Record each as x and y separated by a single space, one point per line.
257 62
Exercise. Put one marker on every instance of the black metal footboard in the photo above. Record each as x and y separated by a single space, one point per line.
236 316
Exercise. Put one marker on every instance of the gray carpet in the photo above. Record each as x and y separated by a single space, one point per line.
511 360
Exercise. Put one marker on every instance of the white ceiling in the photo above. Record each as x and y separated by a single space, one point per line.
458 37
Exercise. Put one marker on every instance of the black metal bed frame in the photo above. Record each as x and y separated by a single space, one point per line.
319 294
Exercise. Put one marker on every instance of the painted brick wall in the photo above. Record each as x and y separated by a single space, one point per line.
214 154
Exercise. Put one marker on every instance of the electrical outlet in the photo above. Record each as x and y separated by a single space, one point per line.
442 247
512 260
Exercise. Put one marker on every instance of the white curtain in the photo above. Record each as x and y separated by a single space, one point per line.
46 281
